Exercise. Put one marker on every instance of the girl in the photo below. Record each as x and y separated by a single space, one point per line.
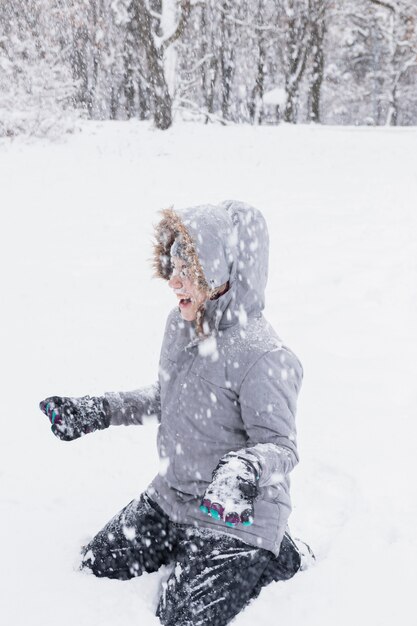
226 402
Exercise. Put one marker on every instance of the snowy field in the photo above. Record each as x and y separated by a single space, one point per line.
80 314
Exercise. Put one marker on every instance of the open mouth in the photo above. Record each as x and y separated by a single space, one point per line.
184 302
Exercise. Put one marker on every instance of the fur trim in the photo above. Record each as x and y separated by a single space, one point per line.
168 229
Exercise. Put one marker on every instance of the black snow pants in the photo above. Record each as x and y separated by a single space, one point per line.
215 575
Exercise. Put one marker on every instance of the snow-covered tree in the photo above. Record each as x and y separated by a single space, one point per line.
399 33
36 85
296 48
336 61
318 15
157 31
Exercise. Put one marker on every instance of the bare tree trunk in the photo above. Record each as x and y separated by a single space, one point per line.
80 67
213 72
129 87
143 100
399 64
256 103
392 119
114 102
318 30
96 51
203 54
296 48
129 62
212 75
226 60
161 99
258 91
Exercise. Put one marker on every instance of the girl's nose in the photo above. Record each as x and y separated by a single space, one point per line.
175 282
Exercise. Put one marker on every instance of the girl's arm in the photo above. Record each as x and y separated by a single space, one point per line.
131 407
268 398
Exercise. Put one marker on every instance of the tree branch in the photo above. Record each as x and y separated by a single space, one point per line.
193 108
384 4
185 10
154 14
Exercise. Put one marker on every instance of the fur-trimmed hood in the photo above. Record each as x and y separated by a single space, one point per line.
224 243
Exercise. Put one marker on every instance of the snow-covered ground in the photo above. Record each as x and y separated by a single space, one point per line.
80 314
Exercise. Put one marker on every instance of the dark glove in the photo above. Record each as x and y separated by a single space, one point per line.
232 491
73 417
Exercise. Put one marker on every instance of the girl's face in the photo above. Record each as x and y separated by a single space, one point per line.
190 296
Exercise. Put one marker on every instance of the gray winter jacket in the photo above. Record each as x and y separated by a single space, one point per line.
235 388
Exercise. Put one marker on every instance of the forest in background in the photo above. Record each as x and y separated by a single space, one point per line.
346 62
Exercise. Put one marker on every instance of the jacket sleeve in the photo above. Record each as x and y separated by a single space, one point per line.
131 407
268 397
